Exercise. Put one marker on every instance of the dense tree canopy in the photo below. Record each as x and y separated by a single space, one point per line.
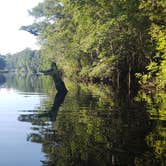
103 39
156 12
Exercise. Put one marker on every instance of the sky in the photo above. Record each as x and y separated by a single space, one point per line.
13 15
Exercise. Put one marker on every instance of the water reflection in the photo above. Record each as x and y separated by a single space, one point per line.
156 107
94 125
2 79
29 83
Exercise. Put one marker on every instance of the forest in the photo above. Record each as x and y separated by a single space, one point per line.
105 102
123 42
120 42
27 61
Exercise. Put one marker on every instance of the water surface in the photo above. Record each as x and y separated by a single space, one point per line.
90 125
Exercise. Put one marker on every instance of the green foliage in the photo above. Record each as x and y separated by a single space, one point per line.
26 61
83 37
103 68
156 11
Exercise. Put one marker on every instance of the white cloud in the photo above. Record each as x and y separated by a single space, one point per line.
13 14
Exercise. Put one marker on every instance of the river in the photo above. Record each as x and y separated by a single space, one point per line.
90 125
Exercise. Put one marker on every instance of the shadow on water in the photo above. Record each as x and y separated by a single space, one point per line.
94 125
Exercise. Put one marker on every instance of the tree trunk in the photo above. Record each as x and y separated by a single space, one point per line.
129 80
59 83
118 78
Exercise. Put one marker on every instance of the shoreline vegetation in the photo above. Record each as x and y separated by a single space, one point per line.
122 43
95 92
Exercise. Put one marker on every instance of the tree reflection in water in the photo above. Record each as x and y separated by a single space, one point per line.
2 79
36 119
92 128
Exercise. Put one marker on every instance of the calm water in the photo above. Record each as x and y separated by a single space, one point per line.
90 125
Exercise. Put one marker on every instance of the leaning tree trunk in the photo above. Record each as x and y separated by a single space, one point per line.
59 83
